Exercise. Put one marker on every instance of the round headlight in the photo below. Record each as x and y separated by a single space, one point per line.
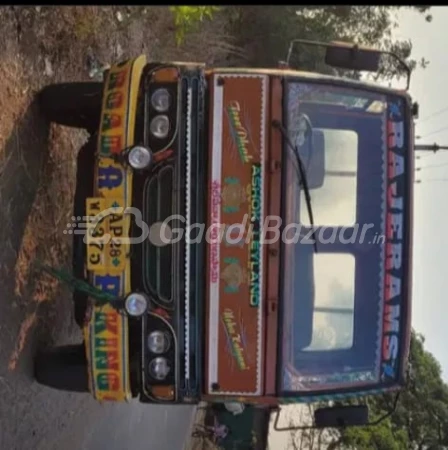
160 126
159 368
158 342
136 304
161 100
139 157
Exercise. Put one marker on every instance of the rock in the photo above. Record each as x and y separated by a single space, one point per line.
48 71
119 16
98 72
119 51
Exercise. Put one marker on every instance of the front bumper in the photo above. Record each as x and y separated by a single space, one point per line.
116 345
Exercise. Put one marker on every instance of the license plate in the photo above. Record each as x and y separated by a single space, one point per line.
106 223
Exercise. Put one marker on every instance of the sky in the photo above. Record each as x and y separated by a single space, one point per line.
430 280
429 88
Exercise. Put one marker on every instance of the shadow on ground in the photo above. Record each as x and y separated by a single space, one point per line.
25 407
33 417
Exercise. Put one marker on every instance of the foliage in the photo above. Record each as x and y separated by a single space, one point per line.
186 18
268 30
420 420
380 437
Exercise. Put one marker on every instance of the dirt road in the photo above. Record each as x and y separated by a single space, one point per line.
34 310
39 46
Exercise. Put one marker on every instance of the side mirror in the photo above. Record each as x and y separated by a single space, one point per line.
352 57
333 417
341 416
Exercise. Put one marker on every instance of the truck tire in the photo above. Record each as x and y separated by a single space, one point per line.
75 105
63 368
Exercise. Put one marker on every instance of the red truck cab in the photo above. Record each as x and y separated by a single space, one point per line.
258 234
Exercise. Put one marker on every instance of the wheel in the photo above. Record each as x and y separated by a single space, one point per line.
63 368
75 105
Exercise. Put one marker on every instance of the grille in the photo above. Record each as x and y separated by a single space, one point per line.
172 274
157 263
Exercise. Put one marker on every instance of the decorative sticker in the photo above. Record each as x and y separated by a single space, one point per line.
106 334
235 252
394 245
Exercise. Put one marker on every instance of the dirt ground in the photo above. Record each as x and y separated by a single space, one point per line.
39 46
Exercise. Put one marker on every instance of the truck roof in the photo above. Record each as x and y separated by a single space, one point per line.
315 76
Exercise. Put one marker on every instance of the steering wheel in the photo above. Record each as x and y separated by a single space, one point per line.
304 139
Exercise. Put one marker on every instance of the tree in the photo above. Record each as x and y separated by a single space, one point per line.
267 30
420 420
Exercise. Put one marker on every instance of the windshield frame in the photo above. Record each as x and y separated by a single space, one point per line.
405 297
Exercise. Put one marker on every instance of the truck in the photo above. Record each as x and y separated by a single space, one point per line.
254 227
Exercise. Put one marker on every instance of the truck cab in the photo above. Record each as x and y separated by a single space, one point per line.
252 229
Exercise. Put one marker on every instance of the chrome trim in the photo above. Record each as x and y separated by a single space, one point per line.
144 351
187 224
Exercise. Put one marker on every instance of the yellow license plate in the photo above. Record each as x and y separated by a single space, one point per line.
105 223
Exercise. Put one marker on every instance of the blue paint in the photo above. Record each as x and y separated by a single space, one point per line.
334 396
297 321
109 283
388 371
109 177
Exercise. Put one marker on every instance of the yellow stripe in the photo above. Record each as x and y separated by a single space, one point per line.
109 383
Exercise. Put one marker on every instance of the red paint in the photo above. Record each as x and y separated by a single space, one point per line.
111 121
111 144
114 100
106 342
162 313
117 79
161 156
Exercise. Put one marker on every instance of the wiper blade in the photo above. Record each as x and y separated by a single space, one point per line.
301 173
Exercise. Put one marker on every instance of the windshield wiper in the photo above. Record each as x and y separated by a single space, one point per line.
301 173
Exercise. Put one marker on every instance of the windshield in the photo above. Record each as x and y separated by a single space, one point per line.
334 302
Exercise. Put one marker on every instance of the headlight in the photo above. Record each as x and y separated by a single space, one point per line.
136 304
159 368
139 157
161 100
160 126
158 342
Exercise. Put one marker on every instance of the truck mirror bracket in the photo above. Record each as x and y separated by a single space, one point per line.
339 417
355 51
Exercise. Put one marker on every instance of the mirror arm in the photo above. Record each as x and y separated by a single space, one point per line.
403 65
341 424
388 414
290 428
354 49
